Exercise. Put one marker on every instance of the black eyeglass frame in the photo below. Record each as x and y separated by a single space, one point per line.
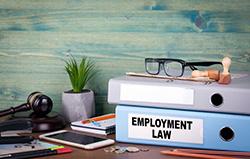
161 61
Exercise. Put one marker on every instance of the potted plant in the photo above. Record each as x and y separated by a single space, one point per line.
78 103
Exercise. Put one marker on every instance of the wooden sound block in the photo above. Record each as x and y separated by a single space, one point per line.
50 122
225 79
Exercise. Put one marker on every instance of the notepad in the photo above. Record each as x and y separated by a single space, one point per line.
106 127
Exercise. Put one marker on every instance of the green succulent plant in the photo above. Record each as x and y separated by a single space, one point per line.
79 76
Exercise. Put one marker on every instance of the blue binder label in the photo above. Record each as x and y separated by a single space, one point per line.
166 128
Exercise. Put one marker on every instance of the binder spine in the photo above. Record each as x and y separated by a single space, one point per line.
185 95
182 128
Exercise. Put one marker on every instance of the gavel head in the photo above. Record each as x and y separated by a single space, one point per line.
40 103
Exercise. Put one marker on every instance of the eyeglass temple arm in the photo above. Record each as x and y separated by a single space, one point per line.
191 64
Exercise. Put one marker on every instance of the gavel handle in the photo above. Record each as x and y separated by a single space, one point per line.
12 110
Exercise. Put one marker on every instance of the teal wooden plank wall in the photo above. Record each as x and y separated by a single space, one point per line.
118 34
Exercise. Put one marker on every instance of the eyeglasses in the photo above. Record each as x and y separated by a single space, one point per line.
172 67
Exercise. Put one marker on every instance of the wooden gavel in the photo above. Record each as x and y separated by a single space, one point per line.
37 101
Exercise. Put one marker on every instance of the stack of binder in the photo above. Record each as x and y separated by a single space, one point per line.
183 113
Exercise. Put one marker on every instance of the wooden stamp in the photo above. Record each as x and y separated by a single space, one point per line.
225 77
211 73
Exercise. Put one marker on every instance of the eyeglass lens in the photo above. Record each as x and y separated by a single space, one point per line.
152 67
171 68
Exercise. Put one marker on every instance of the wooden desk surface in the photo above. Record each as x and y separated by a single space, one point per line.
153 152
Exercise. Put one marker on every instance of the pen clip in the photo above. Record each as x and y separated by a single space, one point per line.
95 123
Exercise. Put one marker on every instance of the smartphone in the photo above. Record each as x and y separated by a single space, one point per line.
76 139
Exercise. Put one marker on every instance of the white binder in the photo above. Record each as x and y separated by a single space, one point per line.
179 94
